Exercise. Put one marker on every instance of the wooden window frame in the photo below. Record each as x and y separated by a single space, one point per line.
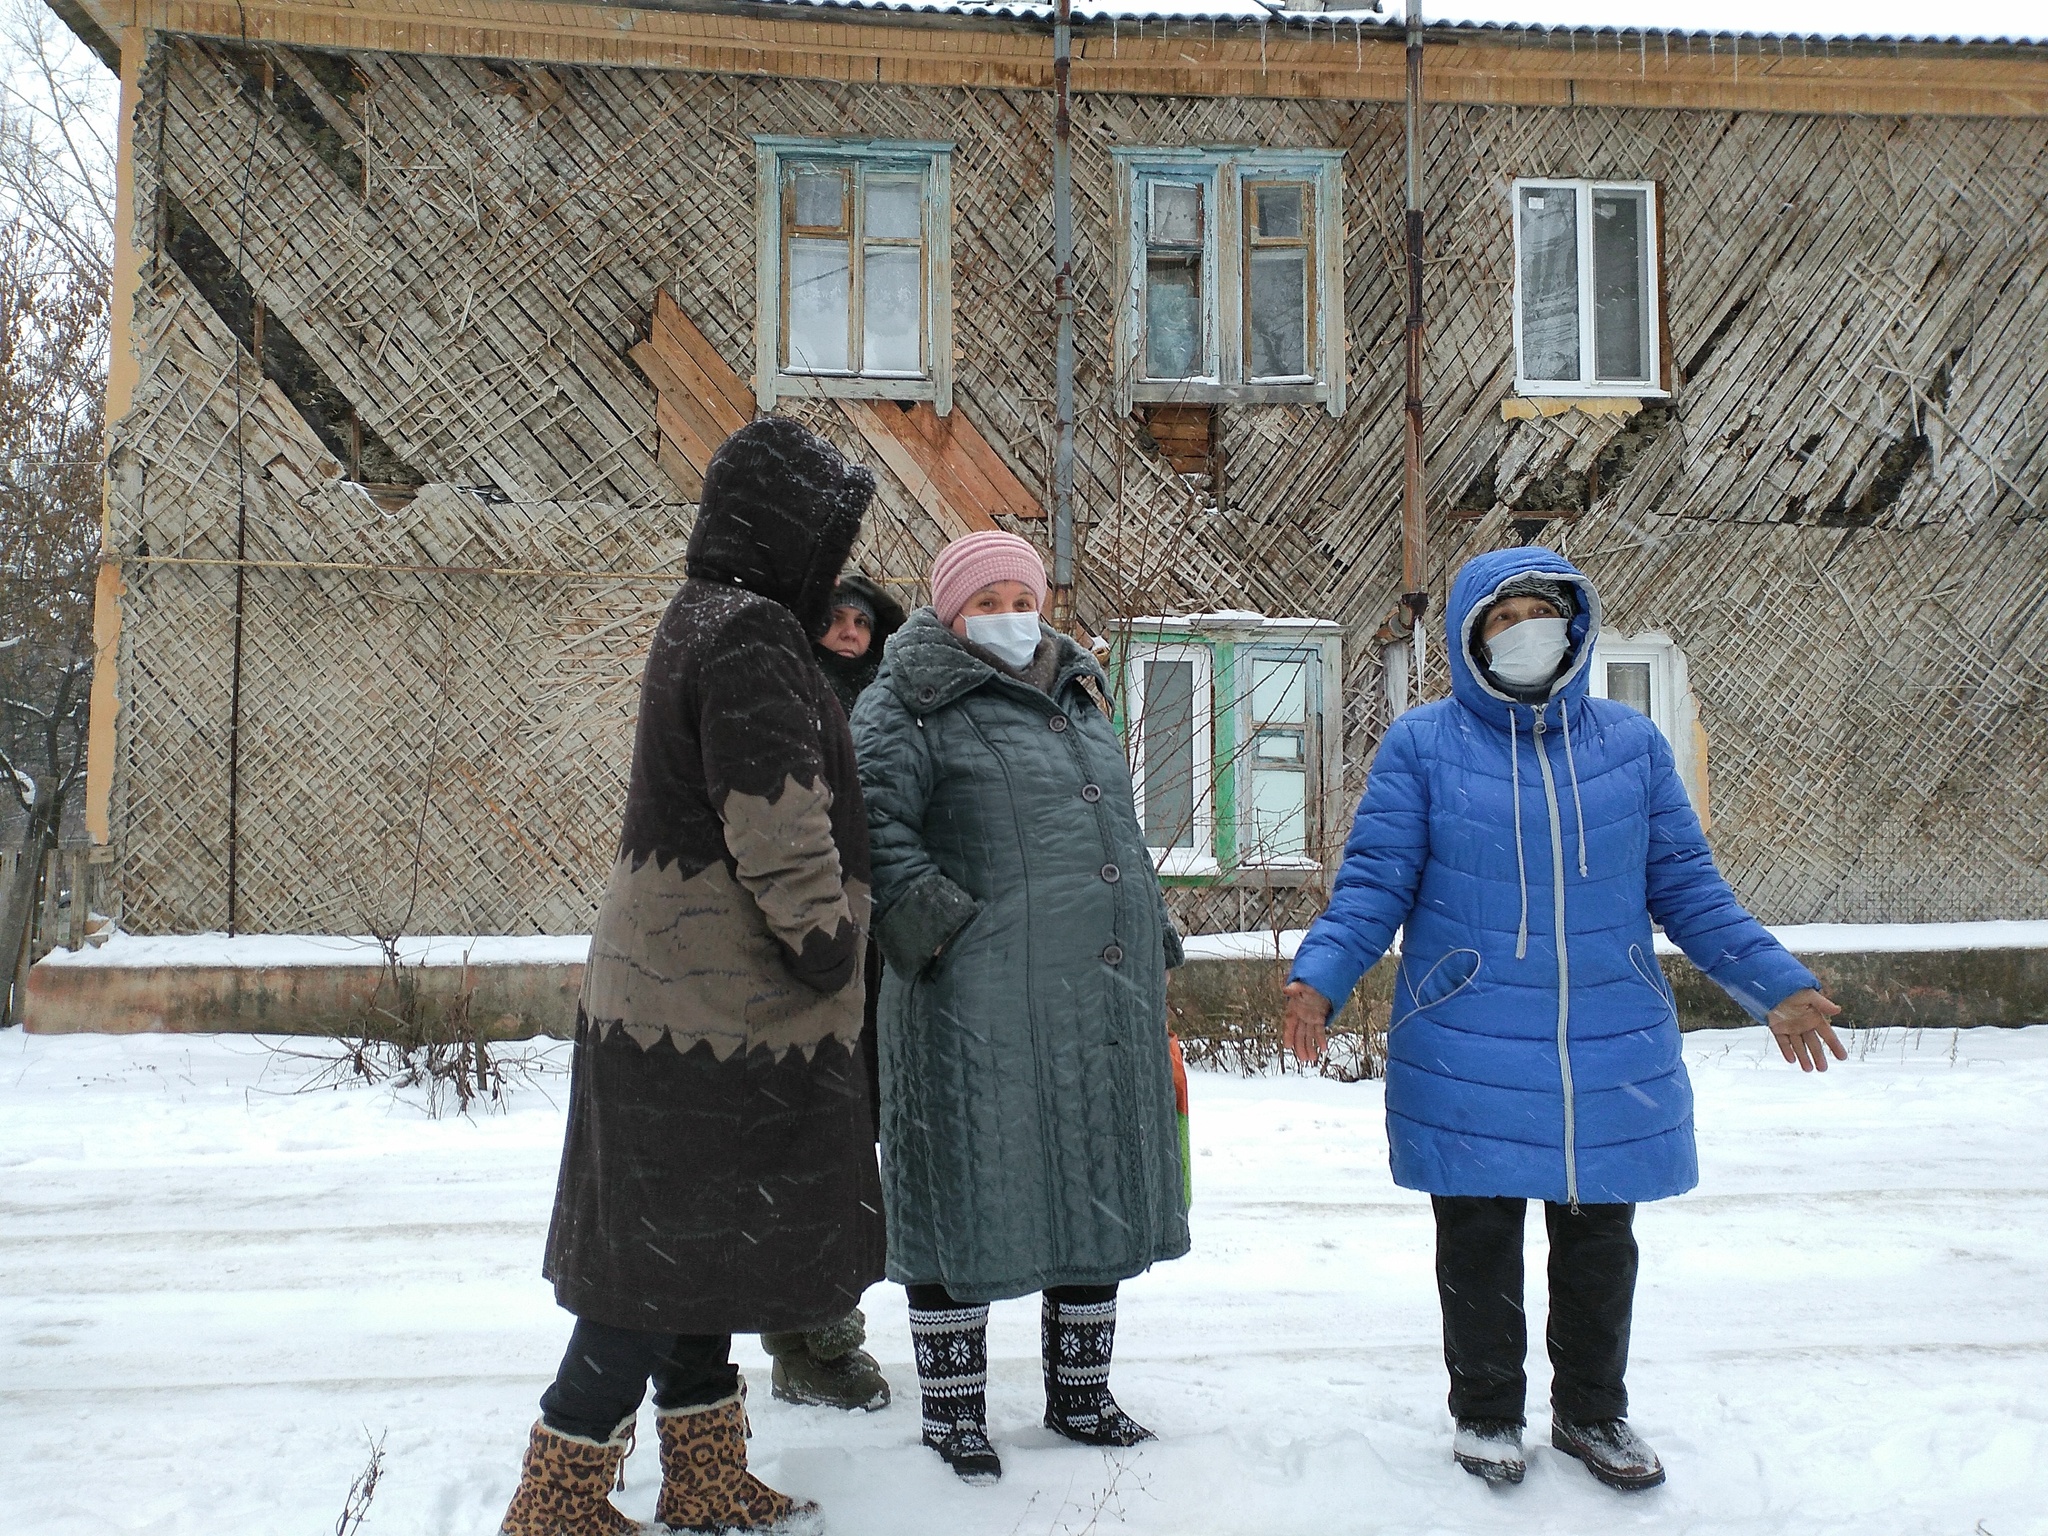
1589 384
778 158
1305 242
1310 657
1229 173
1225 647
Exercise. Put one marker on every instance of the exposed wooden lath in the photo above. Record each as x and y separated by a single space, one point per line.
1878 722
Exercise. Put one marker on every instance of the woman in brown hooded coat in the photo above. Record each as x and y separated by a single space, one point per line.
718 1173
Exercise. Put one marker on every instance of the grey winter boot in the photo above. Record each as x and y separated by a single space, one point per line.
1612 1452
827 1368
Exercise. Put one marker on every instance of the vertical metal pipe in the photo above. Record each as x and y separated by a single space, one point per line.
1063 309
1414 516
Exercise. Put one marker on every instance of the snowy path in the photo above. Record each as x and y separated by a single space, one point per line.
211 1288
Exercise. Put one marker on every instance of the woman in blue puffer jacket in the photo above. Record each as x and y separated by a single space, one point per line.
1522 836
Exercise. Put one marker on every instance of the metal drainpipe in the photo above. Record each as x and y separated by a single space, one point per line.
1414 518
1063 308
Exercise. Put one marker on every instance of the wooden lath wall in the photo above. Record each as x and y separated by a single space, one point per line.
1869 688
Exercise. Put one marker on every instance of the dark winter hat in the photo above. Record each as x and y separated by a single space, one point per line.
844 596
778 515
1552 589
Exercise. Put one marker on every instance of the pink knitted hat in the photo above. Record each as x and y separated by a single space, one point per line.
980 560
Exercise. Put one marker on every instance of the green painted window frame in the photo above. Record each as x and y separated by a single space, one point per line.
1232 643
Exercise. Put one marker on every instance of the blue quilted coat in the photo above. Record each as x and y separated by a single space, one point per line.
1524 852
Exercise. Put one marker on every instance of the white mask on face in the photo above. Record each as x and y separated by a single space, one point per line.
1011 636
1526 655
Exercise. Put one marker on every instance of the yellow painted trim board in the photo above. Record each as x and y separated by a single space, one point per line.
1948 80
124 372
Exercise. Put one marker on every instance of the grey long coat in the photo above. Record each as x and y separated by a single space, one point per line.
1028 1132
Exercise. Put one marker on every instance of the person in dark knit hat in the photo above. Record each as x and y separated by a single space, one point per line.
718 1171
827 1367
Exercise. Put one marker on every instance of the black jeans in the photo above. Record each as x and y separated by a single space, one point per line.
604 1374
936 1298
1486 1335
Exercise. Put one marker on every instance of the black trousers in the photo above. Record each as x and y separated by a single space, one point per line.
936 1298
605 1370
1486 1334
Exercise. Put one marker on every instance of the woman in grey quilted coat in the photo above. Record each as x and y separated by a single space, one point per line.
1028 1134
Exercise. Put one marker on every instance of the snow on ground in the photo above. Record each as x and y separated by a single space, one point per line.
213 1288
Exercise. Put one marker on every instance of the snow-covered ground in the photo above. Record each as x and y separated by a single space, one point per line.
215 1290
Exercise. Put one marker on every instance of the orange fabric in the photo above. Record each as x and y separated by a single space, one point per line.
1180 1073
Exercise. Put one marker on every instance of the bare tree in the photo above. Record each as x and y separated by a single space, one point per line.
56 229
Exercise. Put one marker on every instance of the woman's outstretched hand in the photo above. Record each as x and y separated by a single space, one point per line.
1304 1028
1804 1034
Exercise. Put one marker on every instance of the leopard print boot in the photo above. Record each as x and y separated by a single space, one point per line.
565 1486
706 1489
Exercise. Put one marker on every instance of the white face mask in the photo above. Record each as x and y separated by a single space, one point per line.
1011 636
1526 655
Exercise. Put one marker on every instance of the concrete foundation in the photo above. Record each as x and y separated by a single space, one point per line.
520 996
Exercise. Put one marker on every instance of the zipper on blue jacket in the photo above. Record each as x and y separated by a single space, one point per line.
1564 972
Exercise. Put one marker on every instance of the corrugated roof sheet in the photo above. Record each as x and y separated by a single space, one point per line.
1880 21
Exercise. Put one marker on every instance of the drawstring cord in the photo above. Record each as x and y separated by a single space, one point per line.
1521 868
1564 715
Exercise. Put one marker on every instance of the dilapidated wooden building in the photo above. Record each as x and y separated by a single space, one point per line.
431 309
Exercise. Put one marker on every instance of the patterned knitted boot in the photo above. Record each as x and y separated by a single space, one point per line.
1078 1339
565 1485
951 1345
705 1485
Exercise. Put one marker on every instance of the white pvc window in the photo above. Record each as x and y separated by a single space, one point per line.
1586 267
852 271
1648 673
1171 713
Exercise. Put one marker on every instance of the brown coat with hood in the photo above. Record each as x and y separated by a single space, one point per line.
718 1174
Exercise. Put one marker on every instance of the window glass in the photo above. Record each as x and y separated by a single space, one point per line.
818 291
1549 229
1278 826
1621 339
1174 297
1279 314
1279 690
890 341
1628 682
1169 754
820 198
1175 213
1173 317
894 207
1276 211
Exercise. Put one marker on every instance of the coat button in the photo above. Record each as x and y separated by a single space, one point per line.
926 694
1113 955
1057 723
1111 873
1091 792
